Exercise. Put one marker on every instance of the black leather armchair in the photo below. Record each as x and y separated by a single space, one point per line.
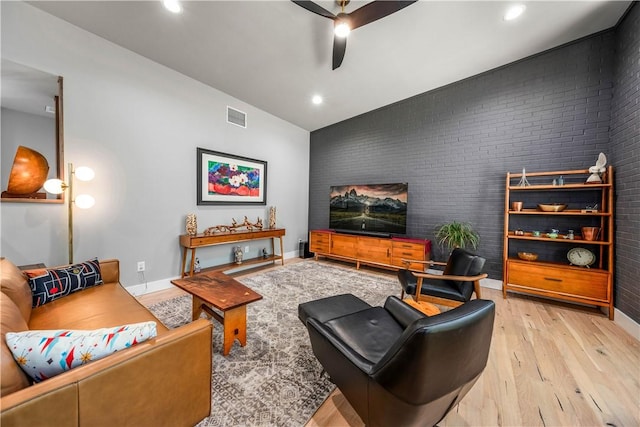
395 365
460 279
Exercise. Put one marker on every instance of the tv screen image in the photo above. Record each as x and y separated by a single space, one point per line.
373 208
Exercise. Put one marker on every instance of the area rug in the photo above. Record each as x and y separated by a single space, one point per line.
275 379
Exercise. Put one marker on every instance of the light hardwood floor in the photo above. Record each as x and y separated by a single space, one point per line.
551 364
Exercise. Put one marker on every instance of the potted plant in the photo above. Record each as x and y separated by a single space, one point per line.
456 234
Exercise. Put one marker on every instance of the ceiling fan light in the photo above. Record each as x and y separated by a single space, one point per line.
341 28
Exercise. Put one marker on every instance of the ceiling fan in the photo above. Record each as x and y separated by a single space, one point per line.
346 22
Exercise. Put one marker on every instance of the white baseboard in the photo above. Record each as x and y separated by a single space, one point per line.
162 284
491 284
627 323
149 287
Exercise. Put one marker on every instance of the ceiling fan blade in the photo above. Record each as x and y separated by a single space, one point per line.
339 48
312 7
375 10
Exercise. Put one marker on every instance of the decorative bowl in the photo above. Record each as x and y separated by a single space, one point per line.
528 256
552 207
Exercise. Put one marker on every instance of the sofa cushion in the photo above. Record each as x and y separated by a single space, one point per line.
44 354
367 332
11 320
16 287
97 307
50 284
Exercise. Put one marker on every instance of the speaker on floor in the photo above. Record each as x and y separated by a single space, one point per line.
303 250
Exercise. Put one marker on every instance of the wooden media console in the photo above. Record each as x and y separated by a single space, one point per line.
385 252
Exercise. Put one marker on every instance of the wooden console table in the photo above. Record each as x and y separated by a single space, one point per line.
200 240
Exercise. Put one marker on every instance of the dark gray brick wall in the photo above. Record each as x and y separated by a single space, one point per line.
625 149
454 145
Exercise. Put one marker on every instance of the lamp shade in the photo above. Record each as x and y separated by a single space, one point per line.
28 173
54 186
84 173
84 201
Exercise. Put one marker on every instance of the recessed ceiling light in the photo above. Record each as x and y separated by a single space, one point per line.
514 11
317 99
172 6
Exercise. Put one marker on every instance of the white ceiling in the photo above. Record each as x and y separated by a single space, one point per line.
275 55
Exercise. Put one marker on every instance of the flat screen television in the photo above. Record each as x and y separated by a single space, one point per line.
377 209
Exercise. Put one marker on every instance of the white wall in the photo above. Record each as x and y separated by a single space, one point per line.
137 124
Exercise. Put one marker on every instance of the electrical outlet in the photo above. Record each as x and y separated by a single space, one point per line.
246 249
141 266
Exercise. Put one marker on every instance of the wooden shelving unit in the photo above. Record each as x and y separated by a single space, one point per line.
557 278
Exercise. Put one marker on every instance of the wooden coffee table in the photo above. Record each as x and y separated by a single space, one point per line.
215 289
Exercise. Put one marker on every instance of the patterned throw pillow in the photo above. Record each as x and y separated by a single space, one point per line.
51 284
44 354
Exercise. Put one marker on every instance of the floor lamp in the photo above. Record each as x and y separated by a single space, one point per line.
83 201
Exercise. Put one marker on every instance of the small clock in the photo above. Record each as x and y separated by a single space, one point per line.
581 257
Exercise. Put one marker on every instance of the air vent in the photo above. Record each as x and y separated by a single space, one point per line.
236 117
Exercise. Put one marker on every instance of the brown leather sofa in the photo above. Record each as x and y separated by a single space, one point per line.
162 381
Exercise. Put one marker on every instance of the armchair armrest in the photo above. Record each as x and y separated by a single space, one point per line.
475 279
449 277
427 262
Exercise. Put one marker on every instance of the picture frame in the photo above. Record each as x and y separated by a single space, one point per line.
228 179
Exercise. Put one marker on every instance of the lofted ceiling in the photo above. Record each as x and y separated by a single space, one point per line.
276 55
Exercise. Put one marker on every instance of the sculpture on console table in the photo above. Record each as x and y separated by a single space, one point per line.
192 224
246 224
272 217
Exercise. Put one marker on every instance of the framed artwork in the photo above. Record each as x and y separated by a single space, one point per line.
227 179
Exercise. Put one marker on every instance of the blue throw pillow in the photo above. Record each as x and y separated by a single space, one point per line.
51 284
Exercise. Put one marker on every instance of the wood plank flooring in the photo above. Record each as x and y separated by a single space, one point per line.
551 364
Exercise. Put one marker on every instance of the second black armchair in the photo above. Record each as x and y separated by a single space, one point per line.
461 278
